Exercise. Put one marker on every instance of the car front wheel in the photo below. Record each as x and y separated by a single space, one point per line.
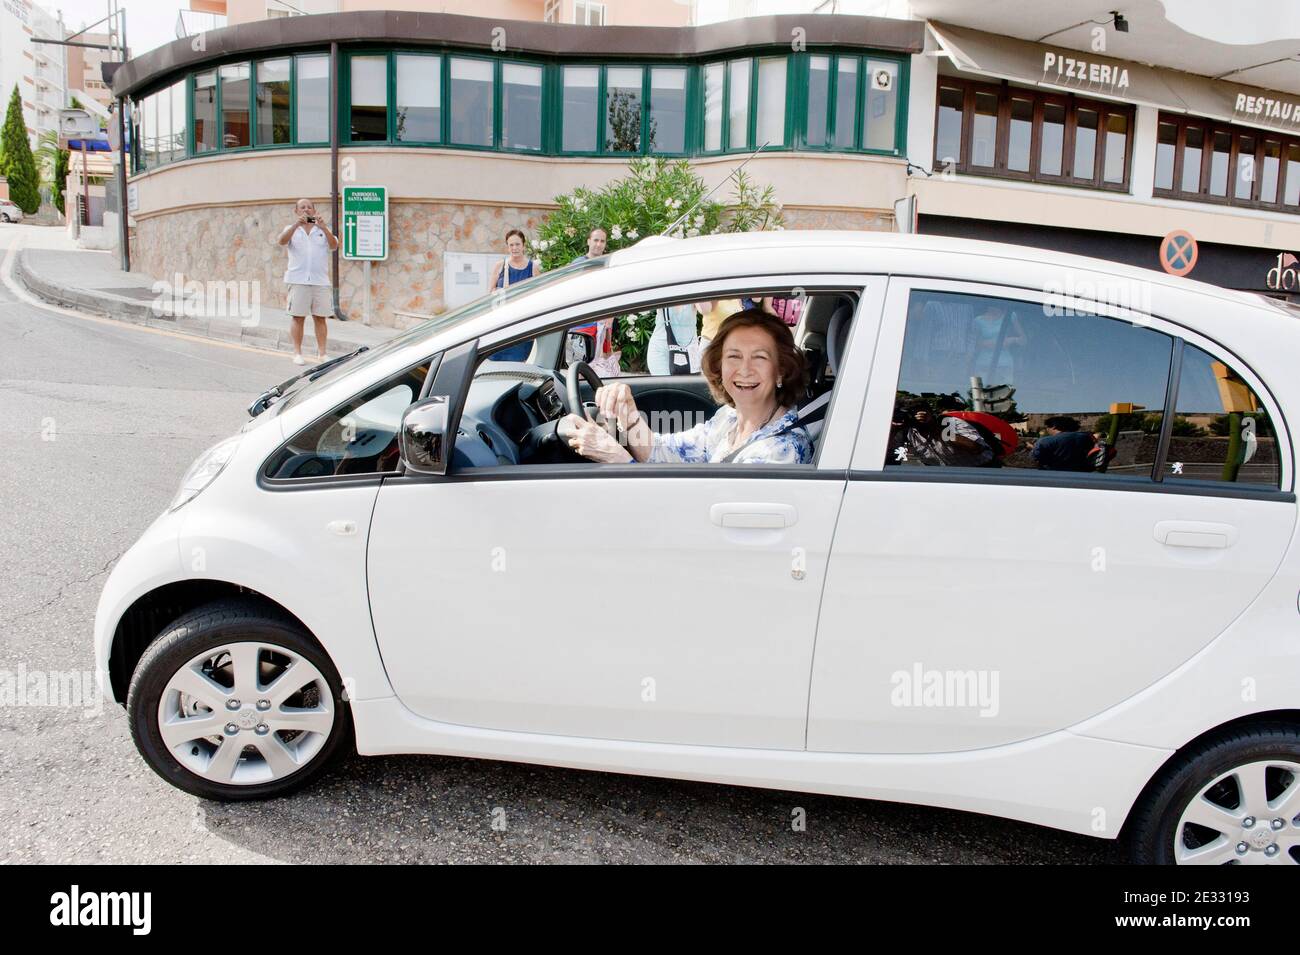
1232 800
233 702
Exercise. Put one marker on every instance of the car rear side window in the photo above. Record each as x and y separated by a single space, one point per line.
1221 430
994 382
359 437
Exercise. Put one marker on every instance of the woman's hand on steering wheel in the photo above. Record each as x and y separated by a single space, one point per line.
615 403
592 441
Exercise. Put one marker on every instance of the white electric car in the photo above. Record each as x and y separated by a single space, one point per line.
1041 566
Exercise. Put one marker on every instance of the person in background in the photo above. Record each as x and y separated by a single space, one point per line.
310 243
513 269
597 239
683 321
788 308
715 313
919 436
1065 448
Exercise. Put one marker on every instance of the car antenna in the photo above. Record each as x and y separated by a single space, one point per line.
695 205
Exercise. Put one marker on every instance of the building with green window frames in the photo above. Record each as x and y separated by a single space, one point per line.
474 125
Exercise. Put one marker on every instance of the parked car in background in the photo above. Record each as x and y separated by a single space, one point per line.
10 212
396 553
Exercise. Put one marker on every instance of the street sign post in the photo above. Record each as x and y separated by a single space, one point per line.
365 232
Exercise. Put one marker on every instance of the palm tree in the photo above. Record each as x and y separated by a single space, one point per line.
53 165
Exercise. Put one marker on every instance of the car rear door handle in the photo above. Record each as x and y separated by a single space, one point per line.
759 516
1195 534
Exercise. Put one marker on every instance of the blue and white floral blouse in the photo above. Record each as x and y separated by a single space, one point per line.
711 441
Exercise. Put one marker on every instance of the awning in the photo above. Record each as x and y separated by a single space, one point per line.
1089 74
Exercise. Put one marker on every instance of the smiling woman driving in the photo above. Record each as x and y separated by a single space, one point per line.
752 368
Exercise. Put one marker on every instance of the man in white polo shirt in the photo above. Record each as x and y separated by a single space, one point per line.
310 243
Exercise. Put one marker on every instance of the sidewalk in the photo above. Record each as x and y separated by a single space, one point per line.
91 281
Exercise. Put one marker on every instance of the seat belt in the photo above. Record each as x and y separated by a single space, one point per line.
805 414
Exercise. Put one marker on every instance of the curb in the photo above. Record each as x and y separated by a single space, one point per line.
131 311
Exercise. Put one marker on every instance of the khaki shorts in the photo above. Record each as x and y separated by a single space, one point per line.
307 300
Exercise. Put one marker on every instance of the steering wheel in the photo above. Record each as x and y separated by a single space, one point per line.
576 405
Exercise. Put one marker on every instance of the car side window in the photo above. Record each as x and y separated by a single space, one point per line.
359 437
994 382
1221 430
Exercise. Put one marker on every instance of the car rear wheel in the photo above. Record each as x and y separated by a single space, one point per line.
1232 800
234 702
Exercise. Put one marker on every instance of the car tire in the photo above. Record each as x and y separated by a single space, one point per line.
1211 783
4 218
255 752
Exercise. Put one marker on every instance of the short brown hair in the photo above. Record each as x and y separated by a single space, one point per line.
519 232
789 360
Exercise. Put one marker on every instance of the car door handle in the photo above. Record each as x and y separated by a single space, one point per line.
760 516
1195 534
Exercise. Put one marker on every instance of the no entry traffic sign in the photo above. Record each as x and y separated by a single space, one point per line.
1178 252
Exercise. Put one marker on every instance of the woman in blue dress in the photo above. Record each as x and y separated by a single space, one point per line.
513 269
753 370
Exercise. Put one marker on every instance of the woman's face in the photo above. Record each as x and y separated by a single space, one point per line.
515 246
749 368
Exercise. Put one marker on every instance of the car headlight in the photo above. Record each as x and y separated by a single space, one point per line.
204 469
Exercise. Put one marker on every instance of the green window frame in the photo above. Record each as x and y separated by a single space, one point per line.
671 91
295 90
647 108
256 122
748 69
394 107
221 104
866 65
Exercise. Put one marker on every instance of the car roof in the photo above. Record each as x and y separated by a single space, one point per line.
662 248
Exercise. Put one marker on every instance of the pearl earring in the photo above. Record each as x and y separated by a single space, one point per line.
778 382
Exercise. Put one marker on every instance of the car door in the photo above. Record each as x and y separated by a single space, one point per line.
666 604
970 606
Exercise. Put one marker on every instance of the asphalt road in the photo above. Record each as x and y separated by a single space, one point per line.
100 421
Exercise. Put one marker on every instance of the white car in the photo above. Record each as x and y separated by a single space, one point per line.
1041 565
10 212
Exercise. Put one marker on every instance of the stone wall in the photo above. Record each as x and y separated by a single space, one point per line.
235 243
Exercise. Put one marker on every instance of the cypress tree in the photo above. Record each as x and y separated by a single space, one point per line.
16 161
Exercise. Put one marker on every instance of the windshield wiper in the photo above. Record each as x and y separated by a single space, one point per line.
267 398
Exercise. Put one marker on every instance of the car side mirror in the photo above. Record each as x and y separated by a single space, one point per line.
423 436
579 346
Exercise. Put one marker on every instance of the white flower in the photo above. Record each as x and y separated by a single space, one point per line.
570 231
633 234
616 233
668 203
699 222
692 232
579 207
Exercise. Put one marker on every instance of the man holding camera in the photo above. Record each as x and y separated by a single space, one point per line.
310 243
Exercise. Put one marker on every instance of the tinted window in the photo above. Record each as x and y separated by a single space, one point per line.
419 98
579 125
991 382
358 438
369 98
1221 431
313 99
521 106
668 109
235 91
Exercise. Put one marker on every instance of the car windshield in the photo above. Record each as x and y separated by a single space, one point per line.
430 327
